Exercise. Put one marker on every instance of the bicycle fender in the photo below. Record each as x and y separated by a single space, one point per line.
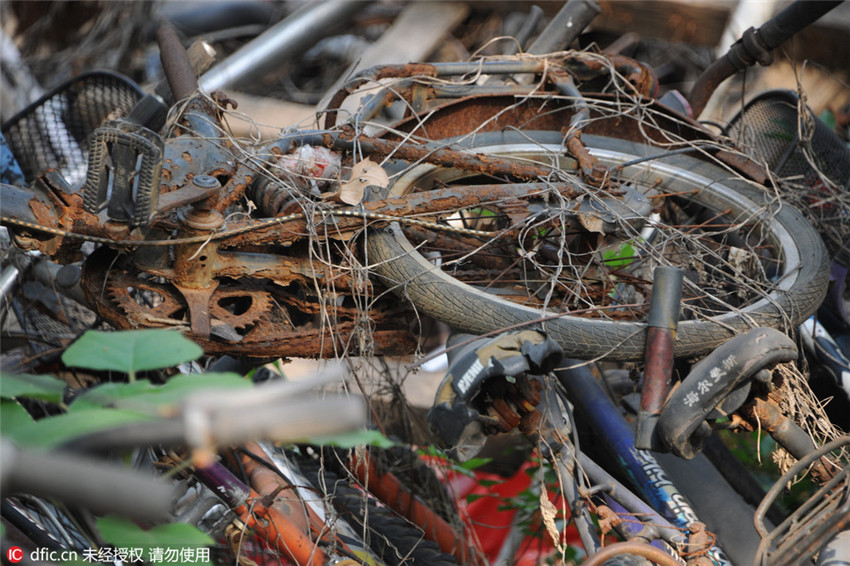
682 425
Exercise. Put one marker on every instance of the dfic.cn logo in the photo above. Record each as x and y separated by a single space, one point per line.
15 554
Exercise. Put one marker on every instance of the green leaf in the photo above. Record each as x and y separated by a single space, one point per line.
41 387
620 257
352 439
187 540
131 351
162 400
54 431
474 463
109 394
13 416
473 497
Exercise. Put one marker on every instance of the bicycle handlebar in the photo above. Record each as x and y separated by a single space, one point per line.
755 46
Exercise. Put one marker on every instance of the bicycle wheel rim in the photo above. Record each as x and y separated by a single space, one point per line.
799 288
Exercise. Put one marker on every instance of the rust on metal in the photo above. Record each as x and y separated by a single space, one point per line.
471 162
765 414
371 75
659 368
391 491
591 170
467 196
267 333
495 112
509 419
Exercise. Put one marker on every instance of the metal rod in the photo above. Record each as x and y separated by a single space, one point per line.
285 39
652 522
566 26
175 63
661 334
535 14
755 46
640 466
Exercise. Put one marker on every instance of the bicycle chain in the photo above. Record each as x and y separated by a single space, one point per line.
374 216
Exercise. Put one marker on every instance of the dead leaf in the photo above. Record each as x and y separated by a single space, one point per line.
549 513
364 174
591 222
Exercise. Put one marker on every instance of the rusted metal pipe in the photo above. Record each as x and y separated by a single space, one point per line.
453 198
271 524
661 334
764 414
634 548
439 154
390 490
175 62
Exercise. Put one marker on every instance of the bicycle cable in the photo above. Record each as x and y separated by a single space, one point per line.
374 216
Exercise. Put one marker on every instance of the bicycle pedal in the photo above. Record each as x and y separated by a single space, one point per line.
125 164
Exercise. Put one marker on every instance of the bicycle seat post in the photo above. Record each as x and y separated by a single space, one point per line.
661 333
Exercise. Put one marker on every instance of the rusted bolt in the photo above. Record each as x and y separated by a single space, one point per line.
698 539
205 182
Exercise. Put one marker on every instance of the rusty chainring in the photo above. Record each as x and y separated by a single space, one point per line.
249 317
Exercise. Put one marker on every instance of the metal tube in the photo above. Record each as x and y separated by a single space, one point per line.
535 14
590 398
792 19
285 39
614 431
175 63
755 46
7 281
654 524
566 26
661 334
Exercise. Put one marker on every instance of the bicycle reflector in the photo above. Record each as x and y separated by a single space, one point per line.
460 417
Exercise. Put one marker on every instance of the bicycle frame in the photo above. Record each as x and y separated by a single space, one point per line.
640 466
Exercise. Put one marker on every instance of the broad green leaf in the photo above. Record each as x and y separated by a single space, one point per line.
54 431
41 387
109 394
13 416
352 439
131 351
185 541
620 257
163 400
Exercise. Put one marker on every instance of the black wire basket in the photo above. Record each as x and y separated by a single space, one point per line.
53 132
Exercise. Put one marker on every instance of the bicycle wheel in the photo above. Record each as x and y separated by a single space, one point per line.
391 537
748 259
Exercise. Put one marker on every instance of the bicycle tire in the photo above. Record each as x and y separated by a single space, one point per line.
801 288
391 537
